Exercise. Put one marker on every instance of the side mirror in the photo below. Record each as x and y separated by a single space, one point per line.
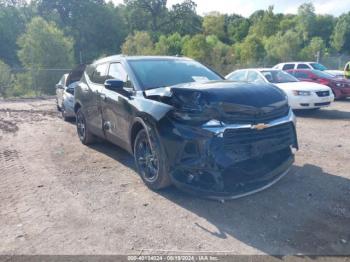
114 84
59 86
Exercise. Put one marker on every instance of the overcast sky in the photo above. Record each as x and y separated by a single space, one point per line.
247 7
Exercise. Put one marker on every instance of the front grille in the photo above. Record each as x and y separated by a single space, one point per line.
322 93
249 143
247 136
255 117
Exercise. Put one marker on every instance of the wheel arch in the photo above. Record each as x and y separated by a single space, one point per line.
77 105
137 126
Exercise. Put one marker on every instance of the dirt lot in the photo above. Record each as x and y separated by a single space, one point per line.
60 197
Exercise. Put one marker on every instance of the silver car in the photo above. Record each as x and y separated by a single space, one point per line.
65 92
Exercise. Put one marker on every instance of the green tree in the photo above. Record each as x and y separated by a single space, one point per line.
183 19
341 34
44 46
214 24
152 13
283 47
139 43
316 47
251 51
98 28
155 17
306 21
5 78
265 25
221 56
325 25
169 45
12 25
287 22
238 29
197 48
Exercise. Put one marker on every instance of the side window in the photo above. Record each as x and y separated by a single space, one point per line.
288 67
303 66
254 77
99 76
238 76
90 71
116 71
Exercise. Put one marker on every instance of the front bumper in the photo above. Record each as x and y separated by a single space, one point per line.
228 161
309 102
342 92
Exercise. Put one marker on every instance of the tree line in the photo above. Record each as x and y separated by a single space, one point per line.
58 34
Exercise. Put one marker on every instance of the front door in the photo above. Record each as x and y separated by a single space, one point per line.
116 109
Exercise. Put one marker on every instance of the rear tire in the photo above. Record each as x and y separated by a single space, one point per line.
85 136
150 164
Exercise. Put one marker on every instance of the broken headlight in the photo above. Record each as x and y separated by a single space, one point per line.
190 107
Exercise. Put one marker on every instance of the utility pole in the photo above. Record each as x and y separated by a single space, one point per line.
318 56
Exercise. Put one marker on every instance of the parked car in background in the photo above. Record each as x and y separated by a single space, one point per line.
65 92
60 87
300 65
336 73
301 95
186 125
339 86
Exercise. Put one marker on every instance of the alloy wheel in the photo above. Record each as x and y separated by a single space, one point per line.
147 159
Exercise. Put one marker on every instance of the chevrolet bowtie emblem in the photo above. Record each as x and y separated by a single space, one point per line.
260 126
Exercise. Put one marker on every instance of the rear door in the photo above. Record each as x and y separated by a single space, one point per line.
116 109
92 105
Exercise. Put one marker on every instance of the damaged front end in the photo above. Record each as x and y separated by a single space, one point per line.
220 147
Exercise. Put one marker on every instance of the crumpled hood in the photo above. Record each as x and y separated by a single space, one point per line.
226 92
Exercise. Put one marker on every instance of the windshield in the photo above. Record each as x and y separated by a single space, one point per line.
278 76
168 72
322 74
318 66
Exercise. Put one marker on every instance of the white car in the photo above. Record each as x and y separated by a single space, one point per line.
336 73
65 92
305 65
300 65
301 95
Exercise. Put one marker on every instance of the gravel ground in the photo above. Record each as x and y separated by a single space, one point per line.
60 197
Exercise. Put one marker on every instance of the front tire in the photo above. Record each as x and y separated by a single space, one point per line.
150 164
85 136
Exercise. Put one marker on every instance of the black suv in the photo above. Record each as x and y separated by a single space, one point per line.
186 125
